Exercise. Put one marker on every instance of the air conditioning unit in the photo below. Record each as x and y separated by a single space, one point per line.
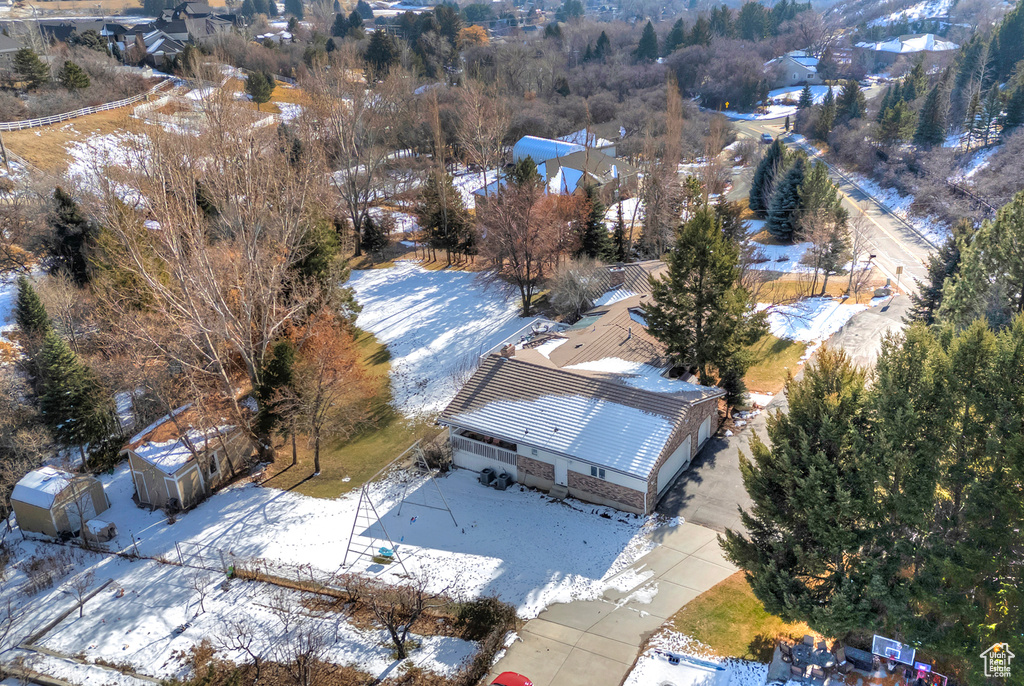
503 481
487 476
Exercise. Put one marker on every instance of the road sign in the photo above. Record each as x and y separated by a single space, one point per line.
899 270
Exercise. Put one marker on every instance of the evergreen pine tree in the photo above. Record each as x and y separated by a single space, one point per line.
72 77
274 381
700 32
851 103
942 266
914 83
355 22
603 48
971 122
783 213
70 235
699 310
812 495
443 216
248 9
826 115
337 7
382 52
932 121
29 312
619 236
294 8
764 177
806 98
730 216
647 48
588 54
676 37
374 239
818 194
1014 116
73 405
340 27
30 68
590 228
364 9
1008 47
898 124
887 102
990 114
259 87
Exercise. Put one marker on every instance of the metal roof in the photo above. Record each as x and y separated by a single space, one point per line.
542 149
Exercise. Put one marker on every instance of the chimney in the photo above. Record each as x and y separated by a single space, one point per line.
616 276
508 350
630 331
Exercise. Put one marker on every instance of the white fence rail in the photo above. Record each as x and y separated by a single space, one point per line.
57 118
491 452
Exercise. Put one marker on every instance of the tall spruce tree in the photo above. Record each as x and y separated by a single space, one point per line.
933 121
443 216
619 236
783 213
886 103
818 194
700 32
675 38
764 177
806 100
295 8
73 404
701 312
590 227
647 48
72 76
943 265
812 495
1014 117
898 124
30 68
71 234
826 115
851 103
915 83
603 47
29 312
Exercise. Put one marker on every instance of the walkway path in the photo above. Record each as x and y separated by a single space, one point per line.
595 642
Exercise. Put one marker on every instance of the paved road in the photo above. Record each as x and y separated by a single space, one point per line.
893 243
711 491
595 642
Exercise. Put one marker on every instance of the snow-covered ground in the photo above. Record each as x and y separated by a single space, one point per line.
89 158
436 325
810 320
791 94
466 182
771 112
290 111
926 9
694 665
979 160
8 300
632 211
404 222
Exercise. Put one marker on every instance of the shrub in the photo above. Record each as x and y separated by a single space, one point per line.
479 618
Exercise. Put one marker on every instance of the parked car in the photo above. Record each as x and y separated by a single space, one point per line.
767 138
511 679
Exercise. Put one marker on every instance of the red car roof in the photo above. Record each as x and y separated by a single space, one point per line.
511 679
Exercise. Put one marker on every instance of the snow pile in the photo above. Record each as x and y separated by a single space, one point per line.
809 320
436 325
674 659
290 111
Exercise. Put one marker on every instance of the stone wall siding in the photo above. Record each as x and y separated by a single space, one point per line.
581 486
688 430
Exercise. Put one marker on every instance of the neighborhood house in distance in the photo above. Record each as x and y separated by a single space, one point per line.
587 411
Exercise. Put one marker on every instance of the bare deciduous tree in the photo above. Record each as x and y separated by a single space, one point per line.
245 636
79 587
360 124
576 285
398 607
199 581
302 652
483 121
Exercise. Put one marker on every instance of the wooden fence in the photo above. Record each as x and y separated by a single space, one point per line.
57 118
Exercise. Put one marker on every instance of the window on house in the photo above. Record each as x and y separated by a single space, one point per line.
597 472
533 451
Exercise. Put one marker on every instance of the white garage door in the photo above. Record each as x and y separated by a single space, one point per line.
675 463
704 432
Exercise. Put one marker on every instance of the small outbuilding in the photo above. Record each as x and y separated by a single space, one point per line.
54 502
179 460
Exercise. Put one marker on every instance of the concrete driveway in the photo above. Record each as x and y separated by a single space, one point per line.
596 642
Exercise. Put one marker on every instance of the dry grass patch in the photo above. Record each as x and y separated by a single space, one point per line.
46 146
733 622
774 359
784 287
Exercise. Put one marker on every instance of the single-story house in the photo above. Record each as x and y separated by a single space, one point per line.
886 52
591 411
566 168
54 502
795 68
8 49
178 460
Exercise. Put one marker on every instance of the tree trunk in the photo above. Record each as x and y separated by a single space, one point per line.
316 454
295 453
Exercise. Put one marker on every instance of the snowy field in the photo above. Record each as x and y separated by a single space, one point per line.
436 325
927 9
696 666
